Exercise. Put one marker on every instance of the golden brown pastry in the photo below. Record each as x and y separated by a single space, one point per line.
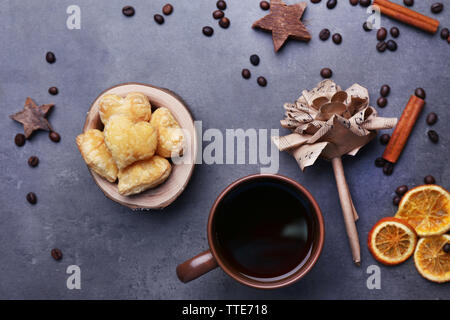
129 142
170 135
143 175
135 106
96 155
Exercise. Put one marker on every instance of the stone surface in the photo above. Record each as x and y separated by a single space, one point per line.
126 254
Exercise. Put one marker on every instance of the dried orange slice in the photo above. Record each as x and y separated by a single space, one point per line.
427 209
432 262
392 241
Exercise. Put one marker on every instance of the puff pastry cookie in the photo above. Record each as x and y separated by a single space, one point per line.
143 175
135 106
129 142
96 155
170 135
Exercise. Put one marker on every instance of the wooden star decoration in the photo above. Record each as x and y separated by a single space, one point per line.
32 117
284 22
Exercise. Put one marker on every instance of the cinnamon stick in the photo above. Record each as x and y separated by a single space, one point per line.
407 16
403 129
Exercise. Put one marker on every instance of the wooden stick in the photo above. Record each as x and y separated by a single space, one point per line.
403 129
407 16
347 209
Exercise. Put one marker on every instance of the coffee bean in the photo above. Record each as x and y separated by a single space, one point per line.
224 22
385 89
367 26
50 57
326 73
448 39
246 73
380 162
324 34
167 9
446 248
354 2
31 197
19 139
53 91
264 5
315 1
381 34
221 5
384 138
56 254
208 31
33 161
395 32
331 4
128 11
396 200
54 136
337 38
262 81
254 59
429 180
437 7
445 33
401 190
382 102
408 3
419 92
159 19
388 168
365 3
391 45
381 46
218 14
433 135
432 118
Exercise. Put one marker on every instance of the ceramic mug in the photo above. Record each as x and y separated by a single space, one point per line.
214 257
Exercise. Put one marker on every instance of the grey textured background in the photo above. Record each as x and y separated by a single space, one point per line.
123 254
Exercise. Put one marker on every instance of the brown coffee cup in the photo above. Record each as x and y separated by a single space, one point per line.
212 258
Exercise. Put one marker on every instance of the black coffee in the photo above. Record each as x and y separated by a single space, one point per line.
264 229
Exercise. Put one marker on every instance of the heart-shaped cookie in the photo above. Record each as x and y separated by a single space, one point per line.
135 106
170 135
129 142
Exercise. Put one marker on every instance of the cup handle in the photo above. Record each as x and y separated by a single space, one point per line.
197 266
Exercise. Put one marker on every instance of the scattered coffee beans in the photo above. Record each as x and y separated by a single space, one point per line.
254 59
337 38
159 19
324 34
384 138
326 73
401 190
395 32
381 46
382 102
385 89
380 162
221 5
167 9
315 1
33 161
262 81
429 180
432 118
331 4
264 5
218 14
446 248
31 198
388 168
391 45
208 31
246 74
128 11
433 135
354 2
224 22
19 139
419 92
367 26
408 3
53 91
381 34
54 136
437 7
396 200
365 3
56 254
445 33
50 57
